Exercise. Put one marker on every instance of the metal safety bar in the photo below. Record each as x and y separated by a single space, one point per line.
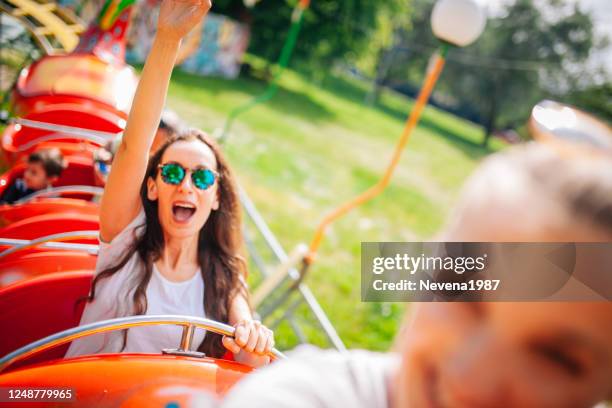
122 323
282 257
96 191
47 138
90 248
97 136
20 245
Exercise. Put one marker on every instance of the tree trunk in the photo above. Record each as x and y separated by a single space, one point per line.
382 70
491 118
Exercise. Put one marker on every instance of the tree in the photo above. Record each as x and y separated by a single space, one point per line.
378 61
393 56
526 54
596 99
332 29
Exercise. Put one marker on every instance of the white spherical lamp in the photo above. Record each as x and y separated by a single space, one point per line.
459 22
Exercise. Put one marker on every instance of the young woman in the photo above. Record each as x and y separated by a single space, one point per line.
170 230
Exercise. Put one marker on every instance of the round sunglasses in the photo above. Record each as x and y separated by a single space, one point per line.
174 173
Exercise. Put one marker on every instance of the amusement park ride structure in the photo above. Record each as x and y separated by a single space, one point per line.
54 28
78 101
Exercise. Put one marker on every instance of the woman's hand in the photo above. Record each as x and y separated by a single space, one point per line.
251 342
178 17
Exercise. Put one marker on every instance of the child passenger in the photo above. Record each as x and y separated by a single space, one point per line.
43 168
497 354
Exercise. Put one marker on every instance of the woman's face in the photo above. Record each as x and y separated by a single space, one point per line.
183 209
506 354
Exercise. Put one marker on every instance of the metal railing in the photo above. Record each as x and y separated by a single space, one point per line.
53 241
55 191
293 274
189 324
89 135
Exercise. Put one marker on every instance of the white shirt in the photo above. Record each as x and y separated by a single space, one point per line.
311 377
113 298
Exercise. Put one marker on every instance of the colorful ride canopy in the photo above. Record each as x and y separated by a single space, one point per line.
75 78
106 35
51 26
94 73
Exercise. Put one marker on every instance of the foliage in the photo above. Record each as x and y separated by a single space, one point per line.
507 89
18 50
596 99
392 19
528 53
332 29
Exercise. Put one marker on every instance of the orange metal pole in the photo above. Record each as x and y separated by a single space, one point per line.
376 189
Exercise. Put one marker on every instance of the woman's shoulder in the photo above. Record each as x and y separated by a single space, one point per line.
134 229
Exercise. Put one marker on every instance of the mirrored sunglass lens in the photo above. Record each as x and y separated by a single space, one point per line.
203 178
173 173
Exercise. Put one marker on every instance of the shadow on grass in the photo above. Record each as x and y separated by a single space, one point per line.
300 105
463 142
345 88
288 102
351 90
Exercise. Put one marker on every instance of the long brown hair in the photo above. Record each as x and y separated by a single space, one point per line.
220 247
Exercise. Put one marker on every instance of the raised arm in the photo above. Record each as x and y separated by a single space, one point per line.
121 201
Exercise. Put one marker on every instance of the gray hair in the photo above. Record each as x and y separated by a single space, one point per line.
537 184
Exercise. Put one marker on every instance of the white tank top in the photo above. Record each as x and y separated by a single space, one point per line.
113 298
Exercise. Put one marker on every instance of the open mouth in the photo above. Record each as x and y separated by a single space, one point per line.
182 211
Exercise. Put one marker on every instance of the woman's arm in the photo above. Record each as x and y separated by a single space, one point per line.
252 340
121 199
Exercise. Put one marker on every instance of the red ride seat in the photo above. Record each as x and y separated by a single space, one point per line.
12 213
80 172
24 265
48 224
18 140
39 307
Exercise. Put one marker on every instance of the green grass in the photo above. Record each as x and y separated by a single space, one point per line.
313 147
